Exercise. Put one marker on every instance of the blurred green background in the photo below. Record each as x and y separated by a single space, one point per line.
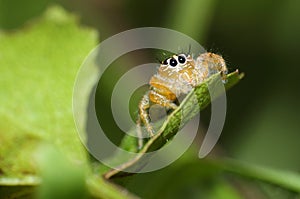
260 38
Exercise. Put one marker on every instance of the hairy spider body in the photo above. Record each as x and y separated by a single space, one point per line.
177 75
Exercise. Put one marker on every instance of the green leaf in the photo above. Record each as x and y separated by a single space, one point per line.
189 108
63 180
38 69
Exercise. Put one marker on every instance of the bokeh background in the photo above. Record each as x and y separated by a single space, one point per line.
260 38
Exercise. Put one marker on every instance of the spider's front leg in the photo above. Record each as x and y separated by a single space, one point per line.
144 117
156 98
144 106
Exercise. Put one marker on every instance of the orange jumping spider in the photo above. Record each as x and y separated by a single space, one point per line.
177 75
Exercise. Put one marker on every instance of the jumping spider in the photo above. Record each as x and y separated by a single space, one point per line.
177 75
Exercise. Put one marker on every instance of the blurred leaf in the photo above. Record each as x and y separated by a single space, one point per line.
63 180
191 17
38 70
15 13
284 179
189 177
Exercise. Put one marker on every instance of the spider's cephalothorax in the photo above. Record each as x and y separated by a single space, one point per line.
177 75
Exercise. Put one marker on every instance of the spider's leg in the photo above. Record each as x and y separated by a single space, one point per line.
139 133
144 106
144 114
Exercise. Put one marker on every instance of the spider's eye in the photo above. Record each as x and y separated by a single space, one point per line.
165 62
181 59
173 62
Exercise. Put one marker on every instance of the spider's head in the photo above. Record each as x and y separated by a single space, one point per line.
176 63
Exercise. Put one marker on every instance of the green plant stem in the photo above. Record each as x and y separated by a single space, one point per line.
285 179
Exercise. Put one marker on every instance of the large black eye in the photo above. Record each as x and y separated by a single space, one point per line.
173 62
181 59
